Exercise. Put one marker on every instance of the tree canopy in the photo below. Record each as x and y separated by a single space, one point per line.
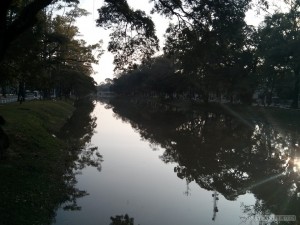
133 36
211 51
47 54
211 47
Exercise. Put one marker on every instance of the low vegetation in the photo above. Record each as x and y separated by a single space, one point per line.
31 174
32 126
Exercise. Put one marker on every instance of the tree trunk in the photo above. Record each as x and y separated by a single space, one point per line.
296 91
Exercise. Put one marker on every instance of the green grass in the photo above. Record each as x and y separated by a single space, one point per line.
32 174
31 125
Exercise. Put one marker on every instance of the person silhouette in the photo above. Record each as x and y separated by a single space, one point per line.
4 141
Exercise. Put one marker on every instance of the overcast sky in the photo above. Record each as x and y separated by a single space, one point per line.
92 34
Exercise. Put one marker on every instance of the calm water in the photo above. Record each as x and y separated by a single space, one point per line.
163 166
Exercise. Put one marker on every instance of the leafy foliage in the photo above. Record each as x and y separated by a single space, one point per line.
213 50
133 38
17 17
212 46
279 53
56 60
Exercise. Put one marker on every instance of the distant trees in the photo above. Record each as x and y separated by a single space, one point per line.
213 52
156 76
209 52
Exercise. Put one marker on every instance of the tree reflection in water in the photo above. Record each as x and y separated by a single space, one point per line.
31 193
221 152
78 132
122 220
215 196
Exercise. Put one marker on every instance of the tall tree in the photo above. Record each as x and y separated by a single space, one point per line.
69 59
209 43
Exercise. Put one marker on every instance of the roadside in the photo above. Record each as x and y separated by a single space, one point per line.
9 98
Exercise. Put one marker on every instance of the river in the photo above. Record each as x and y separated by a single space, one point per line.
167 167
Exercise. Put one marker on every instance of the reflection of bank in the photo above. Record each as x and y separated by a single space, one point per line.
215 208
105 94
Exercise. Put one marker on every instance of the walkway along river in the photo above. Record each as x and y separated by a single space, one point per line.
166 166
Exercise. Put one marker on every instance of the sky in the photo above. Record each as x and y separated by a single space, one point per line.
93 34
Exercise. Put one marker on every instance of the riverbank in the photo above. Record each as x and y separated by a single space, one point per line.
285 118
32 126
31 175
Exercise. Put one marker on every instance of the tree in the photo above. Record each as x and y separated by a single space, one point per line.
44 56
15 22
69 59
133 38
279 50
155 76
209 43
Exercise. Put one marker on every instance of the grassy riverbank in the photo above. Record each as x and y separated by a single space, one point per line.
32 126
31 175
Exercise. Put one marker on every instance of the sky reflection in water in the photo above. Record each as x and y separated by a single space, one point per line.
135 181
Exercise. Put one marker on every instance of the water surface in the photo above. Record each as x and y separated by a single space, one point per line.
164 166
